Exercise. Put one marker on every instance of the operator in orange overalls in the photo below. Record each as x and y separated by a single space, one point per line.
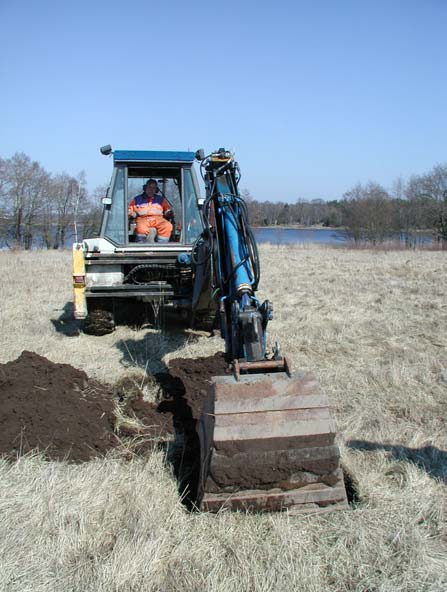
151 211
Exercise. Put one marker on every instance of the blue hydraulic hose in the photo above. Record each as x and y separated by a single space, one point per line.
237 252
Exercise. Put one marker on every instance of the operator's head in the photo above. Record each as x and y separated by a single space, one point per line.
151 187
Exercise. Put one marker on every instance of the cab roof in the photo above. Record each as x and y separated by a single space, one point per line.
152 156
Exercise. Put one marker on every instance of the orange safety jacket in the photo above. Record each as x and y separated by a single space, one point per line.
149 212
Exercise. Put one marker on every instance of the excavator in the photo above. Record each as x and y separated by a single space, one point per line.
267 435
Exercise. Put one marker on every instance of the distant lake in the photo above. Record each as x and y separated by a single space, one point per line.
329 236
283 236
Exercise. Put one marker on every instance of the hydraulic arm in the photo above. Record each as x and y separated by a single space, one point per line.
235 265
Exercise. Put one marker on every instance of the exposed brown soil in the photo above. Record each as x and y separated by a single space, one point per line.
55 408
185 386
154 423
58 409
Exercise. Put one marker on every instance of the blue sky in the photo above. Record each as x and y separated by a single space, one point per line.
312 96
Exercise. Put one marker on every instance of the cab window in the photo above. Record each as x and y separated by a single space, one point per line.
168 187
192 220
115 220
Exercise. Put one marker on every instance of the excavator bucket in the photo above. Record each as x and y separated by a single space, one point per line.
268 444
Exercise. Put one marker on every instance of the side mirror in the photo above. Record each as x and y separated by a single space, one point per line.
200 154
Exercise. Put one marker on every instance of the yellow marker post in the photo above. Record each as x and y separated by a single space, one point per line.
80 301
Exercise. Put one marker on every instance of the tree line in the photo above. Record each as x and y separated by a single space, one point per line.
41 209
369 212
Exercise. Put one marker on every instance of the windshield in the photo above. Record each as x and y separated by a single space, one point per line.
154 207
153 204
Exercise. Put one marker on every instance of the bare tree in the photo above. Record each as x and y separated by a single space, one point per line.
35 192
67 198
426 197
379 213
3 210
23 185
353 215
441 225
91 212
246 195
368 213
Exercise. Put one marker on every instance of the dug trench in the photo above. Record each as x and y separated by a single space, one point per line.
58 410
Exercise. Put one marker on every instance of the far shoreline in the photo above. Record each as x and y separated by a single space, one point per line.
333 228
300 227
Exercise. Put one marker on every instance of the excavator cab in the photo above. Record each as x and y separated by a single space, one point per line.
176 184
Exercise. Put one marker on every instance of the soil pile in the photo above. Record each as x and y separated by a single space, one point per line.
57 409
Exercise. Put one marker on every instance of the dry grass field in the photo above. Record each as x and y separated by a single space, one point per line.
371 325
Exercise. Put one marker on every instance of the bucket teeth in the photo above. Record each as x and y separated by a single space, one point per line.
268 443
